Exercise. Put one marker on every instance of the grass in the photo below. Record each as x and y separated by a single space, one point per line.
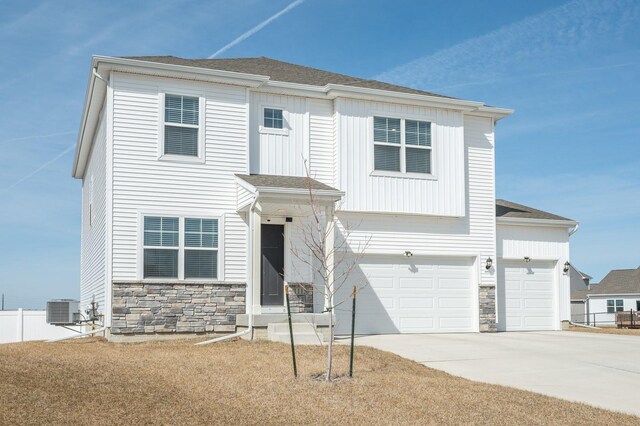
93 382
607 330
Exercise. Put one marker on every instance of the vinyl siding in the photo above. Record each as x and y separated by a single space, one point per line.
321 141
444 195
142 182
278 154
471 235
539 243
94 232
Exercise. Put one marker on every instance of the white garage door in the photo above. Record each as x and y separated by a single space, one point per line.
526 296
409 295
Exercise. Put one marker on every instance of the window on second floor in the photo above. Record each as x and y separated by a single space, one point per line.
615 305
181 125
402 145
273 118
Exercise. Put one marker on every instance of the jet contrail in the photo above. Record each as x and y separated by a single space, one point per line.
257 28
39 169
23 138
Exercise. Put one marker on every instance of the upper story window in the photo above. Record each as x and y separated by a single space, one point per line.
181 125
273 118
402 145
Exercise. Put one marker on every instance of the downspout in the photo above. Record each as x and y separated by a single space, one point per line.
574 230
249 288
88 333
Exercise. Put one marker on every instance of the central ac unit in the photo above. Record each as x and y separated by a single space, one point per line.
63 312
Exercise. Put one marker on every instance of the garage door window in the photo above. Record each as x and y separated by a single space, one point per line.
616 305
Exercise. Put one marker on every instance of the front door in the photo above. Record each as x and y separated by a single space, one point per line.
272 265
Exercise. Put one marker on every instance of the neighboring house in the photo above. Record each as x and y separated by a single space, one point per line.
580 284
618 291
195 192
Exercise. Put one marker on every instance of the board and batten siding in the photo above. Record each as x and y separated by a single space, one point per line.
142 182
469 236
444 195
539 243
276 152
93 263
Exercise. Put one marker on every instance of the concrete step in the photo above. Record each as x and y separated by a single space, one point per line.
303 333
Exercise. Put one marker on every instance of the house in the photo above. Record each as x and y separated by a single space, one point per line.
195 192
618 291
580 284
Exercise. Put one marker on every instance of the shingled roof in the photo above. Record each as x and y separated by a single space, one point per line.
283 71
619 281
285 182
510 209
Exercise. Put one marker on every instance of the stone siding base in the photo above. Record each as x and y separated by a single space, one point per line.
176 308
301 298
488 309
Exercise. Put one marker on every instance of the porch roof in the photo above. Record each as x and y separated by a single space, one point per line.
288 185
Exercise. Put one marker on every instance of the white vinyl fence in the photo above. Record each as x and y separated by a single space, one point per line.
24 325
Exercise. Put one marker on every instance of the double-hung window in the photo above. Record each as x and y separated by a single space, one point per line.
181 125
180 248
401 145
201 248
161 247
615 305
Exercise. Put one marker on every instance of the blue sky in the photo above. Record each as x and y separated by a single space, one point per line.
571 70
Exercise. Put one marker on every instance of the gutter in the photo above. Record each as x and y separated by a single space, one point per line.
536 222
249 289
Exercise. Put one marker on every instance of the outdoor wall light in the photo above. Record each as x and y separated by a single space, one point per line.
488 264
566 266
408 254
527 259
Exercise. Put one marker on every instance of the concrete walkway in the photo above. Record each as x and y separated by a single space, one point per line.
598 369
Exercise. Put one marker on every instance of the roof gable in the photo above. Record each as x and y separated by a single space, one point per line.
619 281
510 209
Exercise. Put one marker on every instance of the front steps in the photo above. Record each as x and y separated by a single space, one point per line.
303 333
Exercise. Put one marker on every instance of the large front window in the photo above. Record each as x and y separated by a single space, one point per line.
167 255
401 145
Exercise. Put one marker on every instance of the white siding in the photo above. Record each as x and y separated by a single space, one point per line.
297 254
142 182
539 243
442 196
94 230
471 235
598 305
274 153
321 141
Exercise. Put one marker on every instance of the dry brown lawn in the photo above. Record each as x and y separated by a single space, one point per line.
92 381
607 330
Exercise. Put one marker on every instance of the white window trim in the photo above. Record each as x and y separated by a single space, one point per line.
402 173
615 305
270 130
201 157
181 215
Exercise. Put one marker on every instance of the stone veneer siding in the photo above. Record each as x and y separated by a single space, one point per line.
488 308
301 298
176 308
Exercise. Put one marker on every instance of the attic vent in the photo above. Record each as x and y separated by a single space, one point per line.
62 312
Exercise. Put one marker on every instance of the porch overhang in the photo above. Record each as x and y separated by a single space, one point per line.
298 190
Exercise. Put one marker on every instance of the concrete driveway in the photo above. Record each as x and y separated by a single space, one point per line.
597 369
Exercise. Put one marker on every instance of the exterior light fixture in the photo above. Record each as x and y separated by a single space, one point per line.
566 266
408 254
488 264
527 259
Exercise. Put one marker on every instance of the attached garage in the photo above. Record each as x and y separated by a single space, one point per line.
409 295
526 296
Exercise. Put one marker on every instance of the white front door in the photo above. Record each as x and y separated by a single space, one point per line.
526 296
409 295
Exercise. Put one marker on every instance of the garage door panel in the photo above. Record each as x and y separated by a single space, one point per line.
416 283
412 296
526 296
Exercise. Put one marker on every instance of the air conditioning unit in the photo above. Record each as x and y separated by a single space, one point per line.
63 312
